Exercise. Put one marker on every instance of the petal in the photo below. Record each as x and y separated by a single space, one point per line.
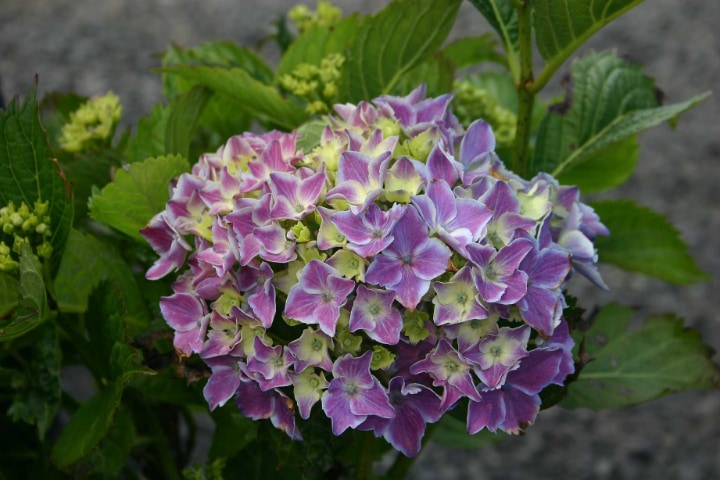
372 401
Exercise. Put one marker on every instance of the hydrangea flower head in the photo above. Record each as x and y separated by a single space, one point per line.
394 272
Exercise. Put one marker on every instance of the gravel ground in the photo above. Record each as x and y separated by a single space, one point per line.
92 47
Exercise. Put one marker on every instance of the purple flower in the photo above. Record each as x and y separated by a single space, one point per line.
497 277
415 406
542 305
373 312
269 365
457 301
515 405
224 380
187 315
477 144
404 180
458 221
449 370
223 336
318 296
441 165
506 219
410 262
359 179
354 394
308 388
496 355
369 231
257 404
165 239
311 349
295 197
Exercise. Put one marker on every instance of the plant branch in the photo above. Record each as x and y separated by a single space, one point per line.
526 94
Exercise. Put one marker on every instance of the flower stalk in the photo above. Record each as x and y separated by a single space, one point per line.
525 90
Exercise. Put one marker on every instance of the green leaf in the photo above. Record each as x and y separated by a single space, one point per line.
184 115
238 84
111 455
606 168
608 101
317 43
137 194
38 401
8 294
221 53
88 171
503 17
149 139
630 367
644 241
393 42
452 432
222 116
32 306
233 432
88 426
311 134
29 171
470 51
87 262
166 387
561 26
610 322
105 326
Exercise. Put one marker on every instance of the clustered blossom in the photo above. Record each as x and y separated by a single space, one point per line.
389 274
21 225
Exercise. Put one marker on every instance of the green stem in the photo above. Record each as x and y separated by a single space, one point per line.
363 470
526 94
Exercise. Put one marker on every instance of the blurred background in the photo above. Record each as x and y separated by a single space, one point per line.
92 46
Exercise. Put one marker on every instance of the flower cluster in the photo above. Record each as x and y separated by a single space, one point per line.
389 274
326 14
23 224
316 85
91 124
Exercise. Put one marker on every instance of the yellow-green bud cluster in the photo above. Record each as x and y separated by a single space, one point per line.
472 101
325 14
92 124
317 85
22 225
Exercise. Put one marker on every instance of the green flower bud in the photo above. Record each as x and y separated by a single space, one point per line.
302 233
44 250
381 358
91 124
414 326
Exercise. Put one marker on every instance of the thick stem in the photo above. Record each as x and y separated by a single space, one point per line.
363 470
526 94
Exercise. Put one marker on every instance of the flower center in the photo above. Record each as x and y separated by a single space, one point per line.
351 389
374 309
451 366
327 296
